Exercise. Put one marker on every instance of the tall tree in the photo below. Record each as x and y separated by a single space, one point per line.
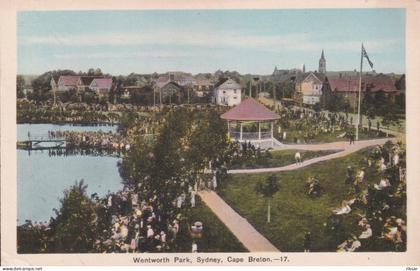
75 230
267 188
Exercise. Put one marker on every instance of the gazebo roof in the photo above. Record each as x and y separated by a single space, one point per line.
250 109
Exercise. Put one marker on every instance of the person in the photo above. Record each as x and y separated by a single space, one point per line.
367 233
194 247
150 231
193 198
298 158
175 228
361 175
179 202
396 159
314 187
351 137
307 243
344 209
384 183
214 181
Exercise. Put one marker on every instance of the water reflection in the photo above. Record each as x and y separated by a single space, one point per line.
42 176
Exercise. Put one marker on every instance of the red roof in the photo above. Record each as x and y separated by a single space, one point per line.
374 83
250 109
68 80
103 83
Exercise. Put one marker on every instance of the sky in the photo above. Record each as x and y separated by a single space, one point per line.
195 41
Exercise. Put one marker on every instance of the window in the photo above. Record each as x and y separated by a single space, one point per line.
234 92
224 92
234 97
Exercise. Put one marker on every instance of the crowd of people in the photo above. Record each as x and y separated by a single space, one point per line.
304 126
379 206
93 140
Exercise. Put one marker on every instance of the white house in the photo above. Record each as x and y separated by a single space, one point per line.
101 85
311 88
227 92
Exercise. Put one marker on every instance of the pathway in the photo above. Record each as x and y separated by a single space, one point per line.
238 225
345 148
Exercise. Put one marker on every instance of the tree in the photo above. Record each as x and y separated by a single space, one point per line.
75 229
20 84
42 84
368 106
267 189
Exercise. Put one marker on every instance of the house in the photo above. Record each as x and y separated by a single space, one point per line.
170 92
84 83
227 92
180 78
202 87
101 86
309 88
348 86
81 83
67 82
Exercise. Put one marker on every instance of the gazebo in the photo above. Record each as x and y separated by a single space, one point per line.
246 114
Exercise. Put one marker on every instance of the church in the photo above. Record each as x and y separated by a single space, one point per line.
307 86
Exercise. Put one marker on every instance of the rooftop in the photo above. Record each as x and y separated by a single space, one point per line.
250 109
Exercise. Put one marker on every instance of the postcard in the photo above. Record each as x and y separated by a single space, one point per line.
209 133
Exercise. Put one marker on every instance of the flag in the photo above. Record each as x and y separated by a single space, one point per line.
367 57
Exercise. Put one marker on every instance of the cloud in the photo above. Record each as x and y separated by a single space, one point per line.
112 55
213 39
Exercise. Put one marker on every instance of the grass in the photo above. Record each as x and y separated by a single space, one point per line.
278 158
293 211
216 237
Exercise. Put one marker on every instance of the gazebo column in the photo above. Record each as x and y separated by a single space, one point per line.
240 132
259 130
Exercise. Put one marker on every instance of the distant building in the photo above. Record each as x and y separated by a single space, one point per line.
170 93
84 82
180 78
309 88
348 86
322 64
227 92
67 82
203 87
101 86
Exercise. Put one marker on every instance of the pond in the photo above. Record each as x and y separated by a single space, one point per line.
42 179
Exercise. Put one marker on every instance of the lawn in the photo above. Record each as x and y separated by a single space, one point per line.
216 237
293 211
277 158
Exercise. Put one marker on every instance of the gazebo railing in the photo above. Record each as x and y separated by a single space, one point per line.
250 135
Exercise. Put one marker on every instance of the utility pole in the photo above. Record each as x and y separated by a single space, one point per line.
360 94
160 96
274 95
154 96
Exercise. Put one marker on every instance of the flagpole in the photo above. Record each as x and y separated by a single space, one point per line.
360 93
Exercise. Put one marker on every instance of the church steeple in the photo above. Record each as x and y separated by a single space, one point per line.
322 63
